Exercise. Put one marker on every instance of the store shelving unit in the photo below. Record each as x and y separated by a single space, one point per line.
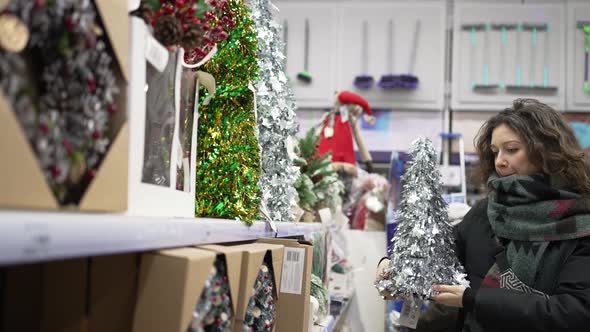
335 323
37 236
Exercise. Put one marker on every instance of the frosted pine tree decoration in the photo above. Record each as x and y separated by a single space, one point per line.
423 252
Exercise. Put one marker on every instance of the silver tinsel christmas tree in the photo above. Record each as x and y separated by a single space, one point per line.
261 310
276 117
423 252
213 312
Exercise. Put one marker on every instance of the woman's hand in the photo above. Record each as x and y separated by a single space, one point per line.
378 276
449 295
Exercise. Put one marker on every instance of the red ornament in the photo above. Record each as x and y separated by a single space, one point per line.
96 134
230 14
209 15
217 283
218 320
90 41
69 147
91 84
266 277
179 3
92 174
169 9
39 3
69 22
270 284
44 128
222 296
55 171
222 36
111 109
265 291
224 278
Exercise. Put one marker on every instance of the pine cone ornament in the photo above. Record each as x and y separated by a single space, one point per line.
193 36
168 30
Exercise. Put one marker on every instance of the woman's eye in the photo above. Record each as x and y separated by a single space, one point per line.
513 150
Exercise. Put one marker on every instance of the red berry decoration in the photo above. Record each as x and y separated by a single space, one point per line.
44 128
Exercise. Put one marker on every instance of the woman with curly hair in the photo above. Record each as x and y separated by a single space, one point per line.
526 247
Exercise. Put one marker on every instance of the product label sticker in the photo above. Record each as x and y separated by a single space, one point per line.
293 266
410 313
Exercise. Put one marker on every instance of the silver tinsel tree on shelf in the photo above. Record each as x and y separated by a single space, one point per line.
261 310
276 117
213 312
423 252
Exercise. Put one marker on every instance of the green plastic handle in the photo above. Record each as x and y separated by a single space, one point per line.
586 29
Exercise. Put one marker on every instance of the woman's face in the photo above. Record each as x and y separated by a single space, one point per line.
510 153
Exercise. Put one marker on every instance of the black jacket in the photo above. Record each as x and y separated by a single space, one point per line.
568 285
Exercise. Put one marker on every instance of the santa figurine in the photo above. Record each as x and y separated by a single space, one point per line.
339 127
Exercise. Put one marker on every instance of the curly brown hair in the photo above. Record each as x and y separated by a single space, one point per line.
551 143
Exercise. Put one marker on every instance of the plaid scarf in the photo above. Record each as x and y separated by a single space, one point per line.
526 214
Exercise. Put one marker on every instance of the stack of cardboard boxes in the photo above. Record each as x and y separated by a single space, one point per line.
151 292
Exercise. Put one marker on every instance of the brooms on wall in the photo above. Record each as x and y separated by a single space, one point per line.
533 86
305 75
364 80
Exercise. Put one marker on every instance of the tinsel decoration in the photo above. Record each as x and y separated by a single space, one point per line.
213 312
63 89
318 185
261 310
276 117
423 252
195 25
228 155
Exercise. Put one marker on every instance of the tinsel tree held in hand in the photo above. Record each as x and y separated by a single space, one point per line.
261 310
423 253
276 117
213 312
228 156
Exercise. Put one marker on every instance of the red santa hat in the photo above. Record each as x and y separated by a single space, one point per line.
347 97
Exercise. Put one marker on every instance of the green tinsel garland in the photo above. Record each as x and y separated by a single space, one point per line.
228 155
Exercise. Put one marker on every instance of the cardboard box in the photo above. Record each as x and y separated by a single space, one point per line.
65 296
170 284
21 178
88 295
252 258
113 291
295 288
20 299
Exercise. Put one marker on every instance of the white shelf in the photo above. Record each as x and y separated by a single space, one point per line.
36 236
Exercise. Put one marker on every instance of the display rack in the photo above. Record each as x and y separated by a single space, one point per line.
37 236
335 323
